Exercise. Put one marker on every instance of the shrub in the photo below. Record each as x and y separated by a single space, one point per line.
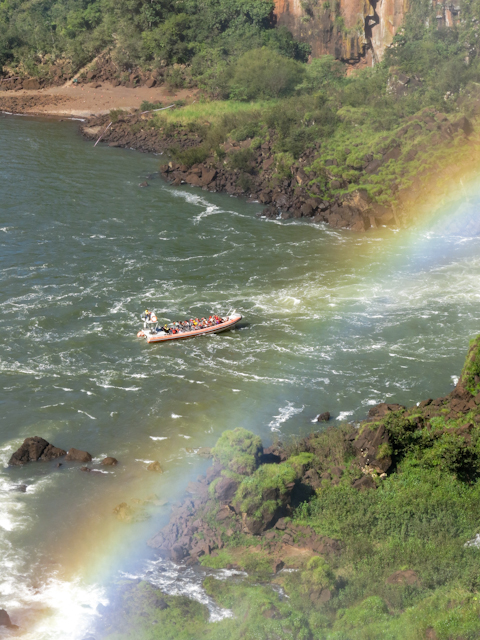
262 73
245 182
242 160
115 114
150 106
189 157
266 487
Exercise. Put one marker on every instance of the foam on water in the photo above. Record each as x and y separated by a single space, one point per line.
175 579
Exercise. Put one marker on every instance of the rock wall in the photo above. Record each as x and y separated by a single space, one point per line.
355 31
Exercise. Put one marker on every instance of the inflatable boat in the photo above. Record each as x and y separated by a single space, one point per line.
153 334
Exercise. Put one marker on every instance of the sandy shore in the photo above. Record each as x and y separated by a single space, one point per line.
84 101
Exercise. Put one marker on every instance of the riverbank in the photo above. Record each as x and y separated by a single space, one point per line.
371 532
84 100
378 180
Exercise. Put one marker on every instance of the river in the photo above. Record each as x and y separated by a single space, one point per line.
333 321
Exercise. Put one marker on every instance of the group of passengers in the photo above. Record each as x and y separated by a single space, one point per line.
192 325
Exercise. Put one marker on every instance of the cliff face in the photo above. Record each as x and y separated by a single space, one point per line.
356 31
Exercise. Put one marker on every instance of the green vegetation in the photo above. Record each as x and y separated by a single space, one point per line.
471 371
336 123
404 569
238 450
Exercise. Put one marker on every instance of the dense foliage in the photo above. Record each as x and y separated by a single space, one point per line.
139 32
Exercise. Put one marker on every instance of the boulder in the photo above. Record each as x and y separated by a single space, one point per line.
143 184
379 411
463 124
109 461
155 466
34 449
364 483
225 489
323 417
77 455
208 175
373 450
177 553
151 82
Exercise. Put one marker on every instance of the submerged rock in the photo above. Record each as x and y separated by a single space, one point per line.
155 466
34 449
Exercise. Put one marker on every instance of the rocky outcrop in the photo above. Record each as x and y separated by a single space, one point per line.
35 449
355 31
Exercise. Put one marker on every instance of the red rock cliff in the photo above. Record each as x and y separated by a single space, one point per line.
356 31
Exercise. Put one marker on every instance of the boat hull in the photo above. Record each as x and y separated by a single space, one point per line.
228 324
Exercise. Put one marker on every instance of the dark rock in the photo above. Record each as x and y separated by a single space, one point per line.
22 488
5 619
364 483
379 411
373 166
225 489
34 449
425 403
393 154
78 456
372 446
463 124
281 524
312 478
161 604
143 184
109 461
87 469
324 417
151 82
208 175
177 553
271 455
214 472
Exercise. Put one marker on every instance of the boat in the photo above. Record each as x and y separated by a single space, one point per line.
153 333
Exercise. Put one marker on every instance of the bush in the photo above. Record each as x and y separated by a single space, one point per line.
242 160
189 157
238 450
262 73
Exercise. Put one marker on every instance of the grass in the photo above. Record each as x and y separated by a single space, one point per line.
212 111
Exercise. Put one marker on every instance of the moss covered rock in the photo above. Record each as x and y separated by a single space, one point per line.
239 451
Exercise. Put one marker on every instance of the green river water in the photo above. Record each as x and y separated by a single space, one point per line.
332 321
